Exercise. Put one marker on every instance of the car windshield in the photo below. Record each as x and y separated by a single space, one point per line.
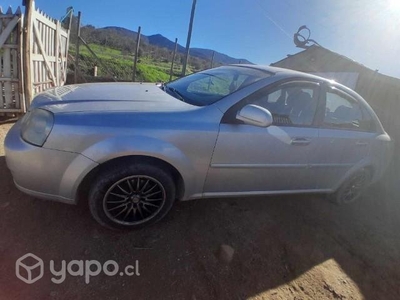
209 86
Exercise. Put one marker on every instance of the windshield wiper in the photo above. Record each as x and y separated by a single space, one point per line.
176 93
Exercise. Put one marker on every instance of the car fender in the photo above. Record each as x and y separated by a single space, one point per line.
116 147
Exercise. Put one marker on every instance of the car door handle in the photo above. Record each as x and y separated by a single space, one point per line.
300 141
359 143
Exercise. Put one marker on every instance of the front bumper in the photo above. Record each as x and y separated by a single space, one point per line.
45 173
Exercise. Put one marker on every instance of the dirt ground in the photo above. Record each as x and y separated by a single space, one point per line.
292 247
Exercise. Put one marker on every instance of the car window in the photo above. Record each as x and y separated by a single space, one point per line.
345 113
207 87
290 104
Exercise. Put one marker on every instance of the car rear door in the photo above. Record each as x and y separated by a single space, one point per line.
255 160
345 134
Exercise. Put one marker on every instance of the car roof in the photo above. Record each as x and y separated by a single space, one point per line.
292 73
282 71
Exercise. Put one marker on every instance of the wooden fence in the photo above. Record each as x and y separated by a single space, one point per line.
11 88
49 52
48 57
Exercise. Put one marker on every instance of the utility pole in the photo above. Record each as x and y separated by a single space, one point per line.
78 41
212 59
189 38
27 52
136 54
173 60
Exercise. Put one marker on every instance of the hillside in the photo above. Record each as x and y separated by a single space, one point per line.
118 64
115 47
163 42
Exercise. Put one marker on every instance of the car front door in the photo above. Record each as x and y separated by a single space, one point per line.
255 160
346 130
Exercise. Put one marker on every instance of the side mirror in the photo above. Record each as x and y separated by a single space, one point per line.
255 115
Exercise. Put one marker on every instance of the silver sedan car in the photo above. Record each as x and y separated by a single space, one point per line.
130 150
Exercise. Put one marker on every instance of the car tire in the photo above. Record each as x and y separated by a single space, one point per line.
352 189
131 196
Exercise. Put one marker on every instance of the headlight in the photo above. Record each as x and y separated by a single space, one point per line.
36 126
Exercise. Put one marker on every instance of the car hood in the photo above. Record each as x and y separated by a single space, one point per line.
97 97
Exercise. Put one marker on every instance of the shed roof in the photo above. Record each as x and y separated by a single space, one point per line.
320 59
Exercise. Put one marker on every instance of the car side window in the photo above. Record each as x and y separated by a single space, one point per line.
343 112
290 104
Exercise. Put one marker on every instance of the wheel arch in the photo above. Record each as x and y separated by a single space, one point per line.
367 166
84 186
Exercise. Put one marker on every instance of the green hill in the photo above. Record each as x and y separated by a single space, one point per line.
116 49
115 63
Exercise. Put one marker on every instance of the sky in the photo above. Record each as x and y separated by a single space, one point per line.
367 31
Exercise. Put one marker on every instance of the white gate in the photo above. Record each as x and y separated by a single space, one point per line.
48 57
49 46
11 88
